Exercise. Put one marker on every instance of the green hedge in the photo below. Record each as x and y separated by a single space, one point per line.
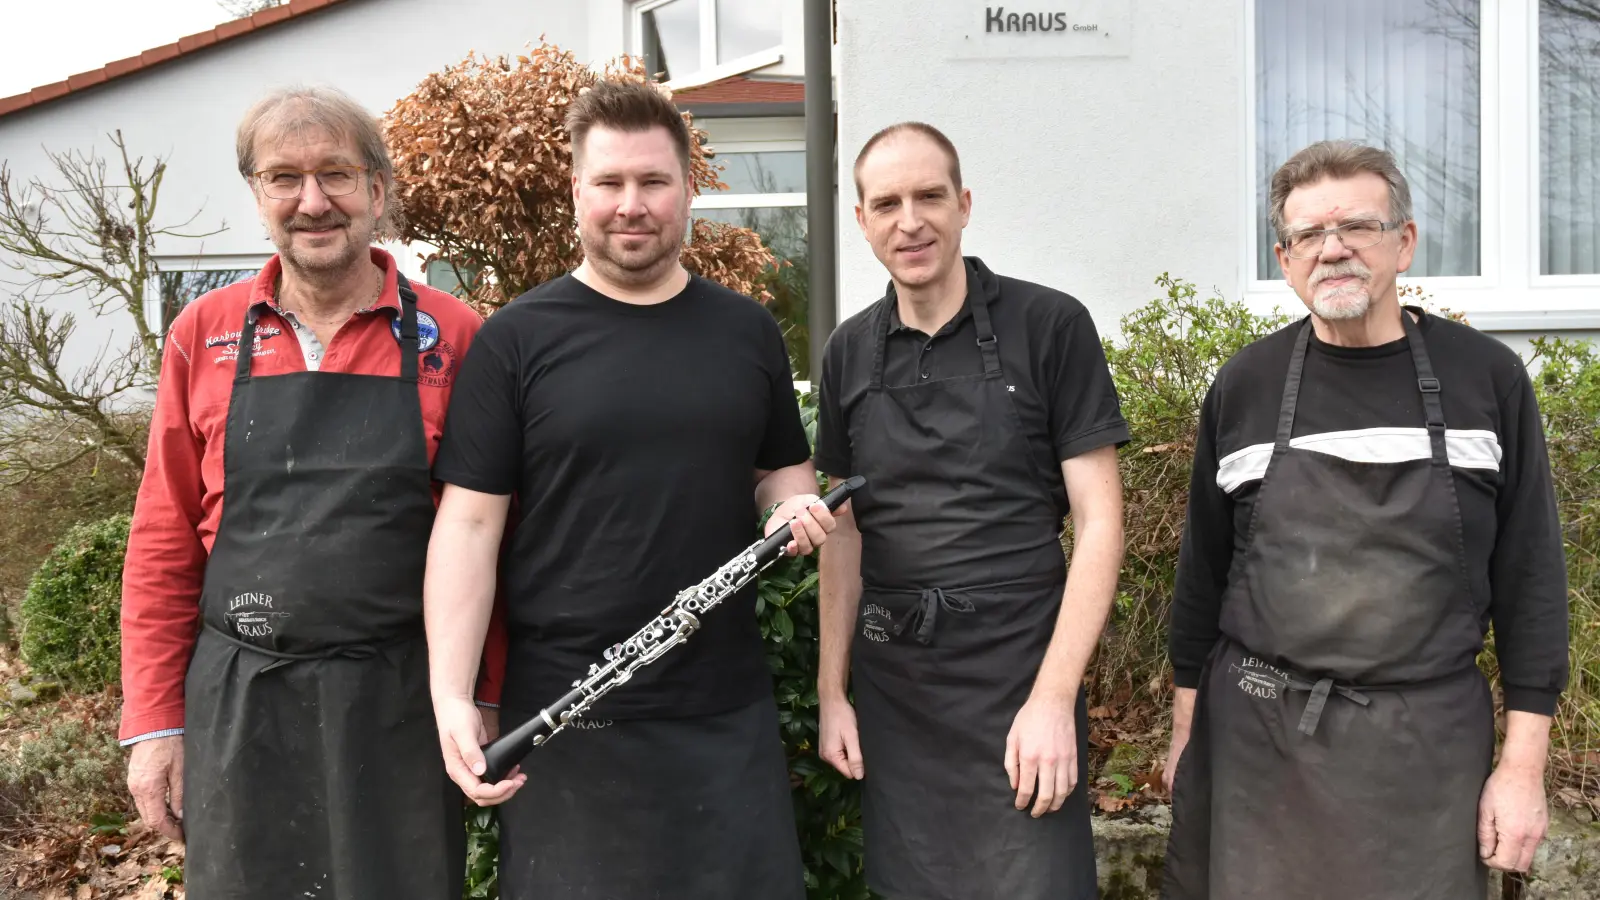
72 609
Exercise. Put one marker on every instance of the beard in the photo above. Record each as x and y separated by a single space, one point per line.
633 260
1347 301
325 260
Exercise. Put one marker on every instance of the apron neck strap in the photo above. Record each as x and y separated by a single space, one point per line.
1429 386
880 326
1426 383
987 345
1291 389
408 331
408 335
247 343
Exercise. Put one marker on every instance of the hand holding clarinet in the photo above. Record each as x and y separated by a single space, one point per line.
797 526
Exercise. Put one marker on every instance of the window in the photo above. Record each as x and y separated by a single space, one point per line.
1399 74
180 282
1492 108
681 39
1569 133
766 194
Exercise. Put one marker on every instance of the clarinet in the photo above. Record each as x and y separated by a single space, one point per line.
672 627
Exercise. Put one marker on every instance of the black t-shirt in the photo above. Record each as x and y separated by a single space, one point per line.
1049 350
630 435
1502 473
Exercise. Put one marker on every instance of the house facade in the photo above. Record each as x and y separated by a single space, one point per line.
1106 142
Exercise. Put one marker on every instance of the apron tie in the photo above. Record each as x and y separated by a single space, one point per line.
925 614
1319 700
340 651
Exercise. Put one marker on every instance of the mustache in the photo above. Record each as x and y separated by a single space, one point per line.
306 223
1340 269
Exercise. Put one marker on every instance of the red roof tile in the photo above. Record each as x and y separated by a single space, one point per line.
158 55
743 89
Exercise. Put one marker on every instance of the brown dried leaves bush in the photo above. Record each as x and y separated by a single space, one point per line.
483 172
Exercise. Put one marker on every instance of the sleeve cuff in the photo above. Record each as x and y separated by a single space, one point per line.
1109 434
1531 700
486 704
1185 677
169 732
827 465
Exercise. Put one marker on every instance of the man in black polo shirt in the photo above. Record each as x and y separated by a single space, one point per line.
981 412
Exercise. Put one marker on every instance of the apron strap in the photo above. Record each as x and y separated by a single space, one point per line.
1429 386
880 327
987 345
1291 389
247 343
925 614
408 331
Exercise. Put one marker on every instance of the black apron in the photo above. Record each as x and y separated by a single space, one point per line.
696 808
947 653
1342 732
311 759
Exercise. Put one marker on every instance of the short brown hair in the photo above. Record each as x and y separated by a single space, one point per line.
625 106
1338 159
922 128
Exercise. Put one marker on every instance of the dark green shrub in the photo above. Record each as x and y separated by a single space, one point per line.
1568 385
1163 364
70 614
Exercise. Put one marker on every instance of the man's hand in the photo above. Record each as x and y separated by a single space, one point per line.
840 743
1512 817
491 722
155 778
462 734
1043 747
810 518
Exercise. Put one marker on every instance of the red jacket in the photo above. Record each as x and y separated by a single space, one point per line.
180 500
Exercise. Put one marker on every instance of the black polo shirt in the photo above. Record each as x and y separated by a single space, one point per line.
1049 350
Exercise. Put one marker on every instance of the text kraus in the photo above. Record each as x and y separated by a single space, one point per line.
997 21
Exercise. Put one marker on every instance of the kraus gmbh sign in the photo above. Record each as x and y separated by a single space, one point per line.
1039 29
996 19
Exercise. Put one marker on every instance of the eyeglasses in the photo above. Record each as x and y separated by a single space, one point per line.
286 184
1354 235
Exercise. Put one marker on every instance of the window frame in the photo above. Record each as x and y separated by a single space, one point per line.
743 201
1509 293
194 263
709 69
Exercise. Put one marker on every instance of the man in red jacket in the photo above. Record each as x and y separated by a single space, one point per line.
274 665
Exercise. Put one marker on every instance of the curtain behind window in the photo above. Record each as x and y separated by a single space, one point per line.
1398 74
1569 137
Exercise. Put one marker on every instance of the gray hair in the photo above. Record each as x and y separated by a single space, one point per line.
287 110
1339 159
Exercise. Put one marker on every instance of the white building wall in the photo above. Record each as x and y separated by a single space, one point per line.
1091 174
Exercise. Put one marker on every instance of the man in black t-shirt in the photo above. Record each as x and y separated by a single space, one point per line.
642 417
980 410
1370 489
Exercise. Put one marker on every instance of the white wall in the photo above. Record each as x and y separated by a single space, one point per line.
1093 174
187 110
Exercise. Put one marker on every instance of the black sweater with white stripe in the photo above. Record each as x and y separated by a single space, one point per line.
1363 404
